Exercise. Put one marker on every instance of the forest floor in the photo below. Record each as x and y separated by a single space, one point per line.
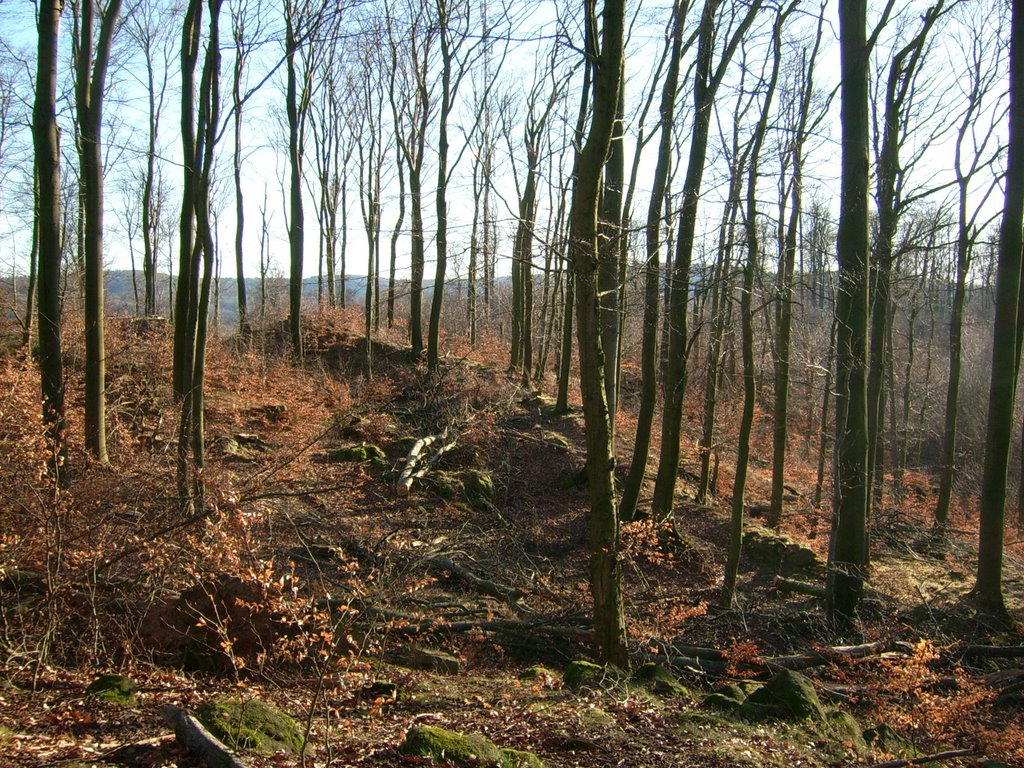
310 582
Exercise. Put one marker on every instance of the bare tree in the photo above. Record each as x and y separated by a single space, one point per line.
46 142
605 567
753 243
974 154
200 113
708 77
1009 324
800 113
91 60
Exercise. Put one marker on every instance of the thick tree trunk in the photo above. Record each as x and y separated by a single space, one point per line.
46 144
849 541
1005 356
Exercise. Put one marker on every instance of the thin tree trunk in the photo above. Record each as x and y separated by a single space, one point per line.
605 563
652 274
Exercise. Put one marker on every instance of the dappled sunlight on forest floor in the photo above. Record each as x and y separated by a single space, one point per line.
311 583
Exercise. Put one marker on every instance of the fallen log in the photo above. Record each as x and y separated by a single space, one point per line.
988 651
800 587
197 741
408 625
479 584
824 656
695 651
689 662
923 759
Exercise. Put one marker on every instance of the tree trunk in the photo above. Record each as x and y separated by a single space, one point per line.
787 266
652 275
605 564
90 82
46 144
1005 357
849 539
732 564
706 82
295 223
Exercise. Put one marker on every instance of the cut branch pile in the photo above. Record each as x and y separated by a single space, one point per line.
419 461
198 742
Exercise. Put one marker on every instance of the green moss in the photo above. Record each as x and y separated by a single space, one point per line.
598 719
357 453
478 489
586 674
733 691
573 479
658 679
442 744
884 740
538 675
444 485
721 702
117 689
518 758
251 724
845 728
790 696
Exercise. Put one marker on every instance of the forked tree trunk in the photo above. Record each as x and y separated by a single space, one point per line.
706 82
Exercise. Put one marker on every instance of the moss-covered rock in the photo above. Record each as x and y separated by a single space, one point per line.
538 674
251 724
117 689
788 696
463 749
845 728
884 740
354 453
445 485
586 674
733 691
519 758
442 744
774 550
432 659
477 488
573 479
722 702
658 679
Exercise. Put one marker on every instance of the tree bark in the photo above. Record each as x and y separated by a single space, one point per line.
605 564
1009 321
46 144
90 76
652 274
849 540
